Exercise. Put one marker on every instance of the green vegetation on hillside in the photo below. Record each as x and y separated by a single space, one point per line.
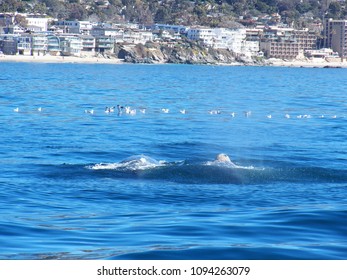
203 12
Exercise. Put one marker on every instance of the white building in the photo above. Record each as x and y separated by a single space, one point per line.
179 29
251 48
37 24
75 26
224 38
205 35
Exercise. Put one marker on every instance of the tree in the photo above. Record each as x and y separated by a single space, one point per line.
10 5
21 21
77 11
162 15
335 10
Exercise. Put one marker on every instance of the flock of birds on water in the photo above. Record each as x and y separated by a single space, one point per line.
127 110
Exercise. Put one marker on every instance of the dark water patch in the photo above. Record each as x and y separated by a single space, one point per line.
204 174
238 252
198 173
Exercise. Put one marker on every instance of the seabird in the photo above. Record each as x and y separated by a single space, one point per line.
120 109
214 112
248 114
89 111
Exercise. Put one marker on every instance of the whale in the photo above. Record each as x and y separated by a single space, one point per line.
223 159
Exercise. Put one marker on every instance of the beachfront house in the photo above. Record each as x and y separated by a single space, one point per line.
53 45
324 53
88 45
70 45
8 44
24 43
39 44
104 44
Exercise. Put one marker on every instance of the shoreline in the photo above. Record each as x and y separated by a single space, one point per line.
318 63
59 59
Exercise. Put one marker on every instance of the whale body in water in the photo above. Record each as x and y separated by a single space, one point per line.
223 159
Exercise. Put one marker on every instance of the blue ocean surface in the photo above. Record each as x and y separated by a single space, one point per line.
79 181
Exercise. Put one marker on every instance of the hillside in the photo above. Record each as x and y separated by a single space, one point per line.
221 13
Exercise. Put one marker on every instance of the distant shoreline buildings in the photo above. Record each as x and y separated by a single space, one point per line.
46 36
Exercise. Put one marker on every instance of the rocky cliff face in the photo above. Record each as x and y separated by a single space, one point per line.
184 53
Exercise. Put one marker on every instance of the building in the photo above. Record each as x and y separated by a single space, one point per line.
282 50
75 26
137 36
104 31
8 45
37 24
202 34
177 29
220 38
321 53
335 36
104 44
70 45
251 48
13 29
39 44
88 45
286 43
306 39
53 45
24 44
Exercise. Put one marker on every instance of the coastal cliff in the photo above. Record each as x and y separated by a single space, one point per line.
186 53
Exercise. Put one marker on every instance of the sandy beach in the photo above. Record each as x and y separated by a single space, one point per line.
309 63
58 59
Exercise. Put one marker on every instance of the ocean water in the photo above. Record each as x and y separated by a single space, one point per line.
77 185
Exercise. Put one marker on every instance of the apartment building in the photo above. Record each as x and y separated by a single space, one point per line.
286 43
335 36
282 50
218 38
205 35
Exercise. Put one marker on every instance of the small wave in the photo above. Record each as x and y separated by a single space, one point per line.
231 165
133 163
